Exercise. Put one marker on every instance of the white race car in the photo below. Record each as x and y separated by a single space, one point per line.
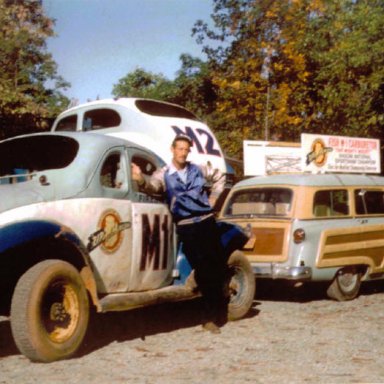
75 231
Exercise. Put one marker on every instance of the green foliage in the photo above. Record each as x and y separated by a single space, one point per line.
191 88
347 40
286 67
27 102
194 87
144 84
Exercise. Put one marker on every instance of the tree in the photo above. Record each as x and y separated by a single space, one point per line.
194 87
141 83
27 100
259 73
288 67
347 57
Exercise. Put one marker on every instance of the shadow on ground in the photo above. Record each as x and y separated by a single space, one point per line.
7 345
143 322
128 325
280 290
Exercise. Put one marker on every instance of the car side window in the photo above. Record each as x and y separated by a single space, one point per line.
100 118
369 202
68 123
148 165
113 173
329 203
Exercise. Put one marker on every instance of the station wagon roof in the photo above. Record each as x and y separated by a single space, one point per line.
314 180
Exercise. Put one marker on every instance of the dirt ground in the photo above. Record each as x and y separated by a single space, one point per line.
289 336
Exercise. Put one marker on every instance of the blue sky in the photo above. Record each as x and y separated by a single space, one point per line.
100 41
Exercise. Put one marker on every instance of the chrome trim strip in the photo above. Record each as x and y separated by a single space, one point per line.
275 271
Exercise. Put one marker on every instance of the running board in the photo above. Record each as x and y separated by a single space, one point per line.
124 301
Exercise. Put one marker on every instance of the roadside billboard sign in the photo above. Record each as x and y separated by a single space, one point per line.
315 154
342 154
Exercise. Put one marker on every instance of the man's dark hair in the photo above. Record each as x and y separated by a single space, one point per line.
182 137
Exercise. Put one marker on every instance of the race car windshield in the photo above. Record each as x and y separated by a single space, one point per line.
37 153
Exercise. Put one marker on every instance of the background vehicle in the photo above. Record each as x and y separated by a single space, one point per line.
150 123
76 232
313 227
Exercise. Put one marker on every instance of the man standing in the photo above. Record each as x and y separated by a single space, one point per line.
186 189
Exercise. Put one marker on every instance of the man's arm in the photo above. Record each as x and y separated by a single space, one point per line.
151 185
216 179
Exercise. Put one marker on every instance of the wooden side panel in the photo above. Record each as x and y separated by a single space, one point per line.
350 246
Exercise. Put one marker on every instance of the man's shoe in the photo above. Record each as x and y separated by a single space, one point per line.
210 326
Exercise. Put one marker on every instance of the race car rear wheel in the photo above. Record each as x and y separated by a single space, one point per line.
241 286
345 285
49 311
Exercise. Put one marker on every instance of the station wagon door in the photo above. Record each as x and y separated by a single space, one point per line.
358 239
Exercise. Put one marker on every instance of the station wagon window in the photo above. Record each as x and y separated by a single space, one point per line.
369 202
101 118
68 123
260 201
330 203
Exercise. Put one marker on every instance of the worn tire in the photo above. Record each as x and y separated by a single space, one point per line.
242 286
49 311
345 285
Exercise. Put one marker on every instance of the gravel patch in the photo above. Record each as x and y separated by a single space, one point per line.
291 335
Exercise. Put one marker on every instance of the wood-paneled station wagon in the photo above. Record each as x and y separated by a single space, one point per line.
316 227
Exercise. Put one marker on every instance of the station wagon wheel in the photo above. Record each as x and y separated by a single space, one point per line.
345 285
49 311
241 286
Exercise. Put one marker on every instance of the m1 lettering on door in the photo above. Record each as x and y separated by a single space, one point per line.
209 147
154 243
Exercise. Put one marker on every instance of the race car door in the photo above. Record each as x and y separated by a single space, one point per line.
152 231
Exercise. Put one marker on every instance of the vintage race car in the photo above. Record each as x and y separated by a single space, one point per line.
312 227
152 124
75 231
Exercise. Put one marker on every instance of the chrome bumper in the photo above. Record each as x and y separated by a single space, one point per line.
276 271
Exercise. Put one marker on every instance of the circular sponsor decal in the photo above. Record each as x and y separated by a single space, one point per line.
319 152
109 224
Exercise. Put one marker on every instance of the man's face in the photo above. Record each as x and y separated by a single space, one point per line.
180 153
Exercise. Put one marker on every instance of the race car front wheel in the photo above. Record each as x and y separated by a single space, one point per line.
49 311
